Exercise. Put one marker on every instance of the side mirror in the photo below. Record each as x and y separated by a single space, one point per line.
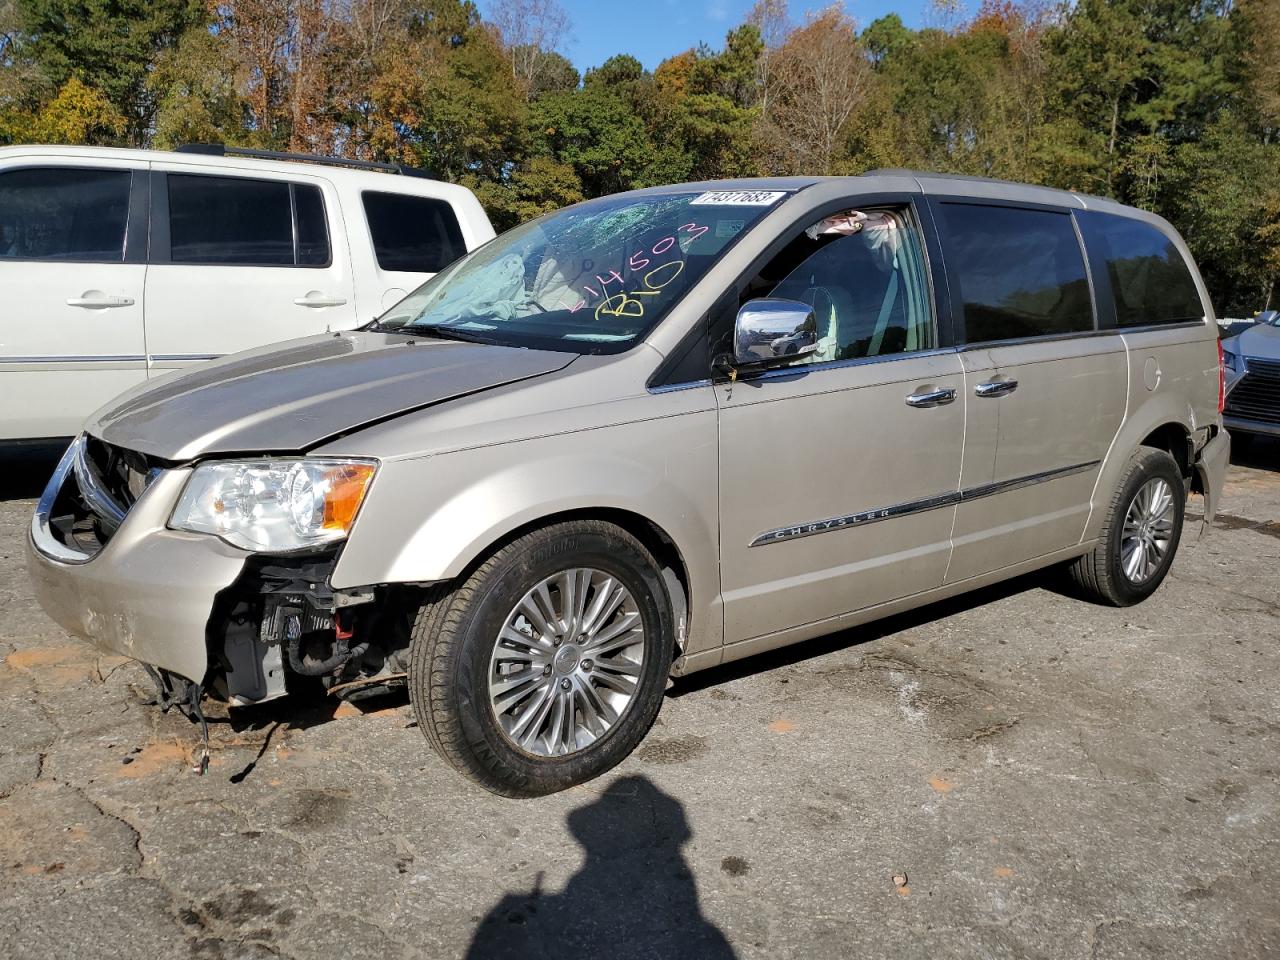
770 332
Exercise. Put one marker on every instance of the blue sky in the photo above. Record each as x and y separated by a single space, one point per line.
653 30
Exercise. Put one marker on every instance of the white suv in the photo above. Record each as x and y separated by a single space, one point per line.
120 265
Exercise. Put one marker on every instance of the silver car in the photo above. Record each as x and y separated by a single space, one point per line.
1252 360
643 436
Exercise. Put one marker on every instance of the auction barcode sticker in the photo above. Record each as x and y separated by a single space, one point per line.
740 198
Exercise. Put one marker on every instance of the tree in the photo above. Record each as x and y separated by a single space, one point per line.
1259 22
78 114
194 88
1223 192
772 23
822 76
534 33
596 133
108 46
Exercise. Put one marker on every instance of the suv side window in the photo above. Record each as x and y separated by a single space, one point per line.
246 222
864 274
1020 272
1150 282
64 213
413 234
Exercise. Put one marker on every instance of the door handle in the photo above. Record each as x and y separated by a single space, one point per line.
931 398
995 388
99 302
319 300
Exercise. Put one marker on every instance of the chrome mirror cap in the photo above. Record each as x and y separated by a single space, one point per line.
773 331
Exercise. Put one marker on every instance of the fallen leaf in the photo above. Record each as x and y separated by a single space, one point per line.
940 784
782 726
1003 872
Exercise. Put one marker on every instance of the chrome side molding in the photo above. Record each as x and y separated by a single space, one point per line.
916 506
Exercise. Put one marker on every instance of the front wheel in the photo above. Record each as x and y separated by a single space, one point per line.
547 665
1140 533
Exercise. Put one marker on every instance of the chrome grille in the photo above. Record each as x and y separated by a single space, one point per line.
1257 395
97 484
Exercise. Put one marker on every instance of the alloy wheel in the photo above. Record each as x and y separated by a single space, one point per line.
566 665
1148 530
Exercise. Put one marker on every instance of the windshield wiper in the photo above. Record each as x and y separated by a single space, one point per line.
442 331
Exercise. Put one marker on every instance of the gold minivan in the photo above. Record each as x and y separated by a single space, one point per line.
646 435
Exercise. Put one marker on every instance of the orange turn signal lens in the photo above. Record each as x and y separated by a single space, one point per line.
345 487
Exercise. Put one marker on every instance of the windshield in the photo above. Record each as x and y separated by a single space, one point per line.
592 278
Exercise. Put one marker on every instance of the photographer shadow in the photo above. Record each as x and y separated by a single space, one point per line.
634 895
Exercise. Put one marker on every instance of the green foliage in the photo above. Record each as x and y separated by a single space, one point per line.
78 114
1172 105
107 45
1223 191
596 132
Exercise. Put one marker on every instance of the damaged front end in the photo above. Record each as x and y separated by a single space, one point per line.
281 628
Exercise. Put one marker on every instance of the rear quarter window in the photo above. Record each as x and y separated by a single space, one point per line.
1020 272
1150 281
412 234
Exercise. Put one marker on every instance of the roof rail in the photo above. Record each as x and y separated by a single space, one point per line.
222 150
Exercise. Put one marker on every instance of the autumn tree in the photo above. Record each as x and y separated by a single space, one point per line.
821 77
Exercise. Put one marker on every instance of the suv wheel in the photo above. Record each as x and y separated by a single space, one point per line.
1139 535
547 665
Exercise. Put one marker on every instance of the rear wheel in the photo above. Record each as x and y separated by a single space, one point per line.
1140 533
547 665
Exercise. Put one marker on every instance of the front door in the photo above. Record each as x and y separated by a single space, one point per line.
839 475
72 269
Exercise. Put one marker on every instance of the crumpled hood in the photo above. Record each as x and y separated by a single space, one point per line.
294 395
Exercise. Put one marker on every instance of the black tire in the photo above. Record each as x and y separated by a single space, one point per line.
455 631
1100 574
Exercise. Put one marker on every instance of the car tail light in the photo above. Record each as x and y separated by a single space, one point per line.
1222 380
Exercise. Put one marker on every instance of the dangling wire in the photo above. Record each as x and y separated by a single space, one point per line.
202 765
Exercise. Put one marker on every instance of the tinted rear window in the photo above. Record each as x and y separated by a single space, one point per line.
1150 281
59 213
416 234
229 220
1020 272
246 222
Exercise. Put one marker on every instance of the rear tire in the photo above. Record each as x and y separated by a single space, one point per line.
1139 535
526 704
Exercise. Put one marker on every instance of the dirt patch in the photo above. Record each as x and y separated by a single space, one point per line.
317 809
673 749
63 666
735 866
155 757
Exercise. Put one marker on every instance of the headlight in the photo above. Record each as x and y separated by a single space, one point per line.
1230 360
274 506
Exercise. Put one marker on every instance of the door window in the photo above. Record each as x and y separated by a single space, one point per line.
1020 272
1150 281
237 220
62 213
864 274
412 234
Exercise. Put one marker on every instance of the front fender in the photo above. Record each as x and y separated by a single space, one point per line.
428 519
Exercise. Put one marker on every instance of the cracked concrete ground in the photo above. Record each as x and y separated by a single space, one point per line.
1045 778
